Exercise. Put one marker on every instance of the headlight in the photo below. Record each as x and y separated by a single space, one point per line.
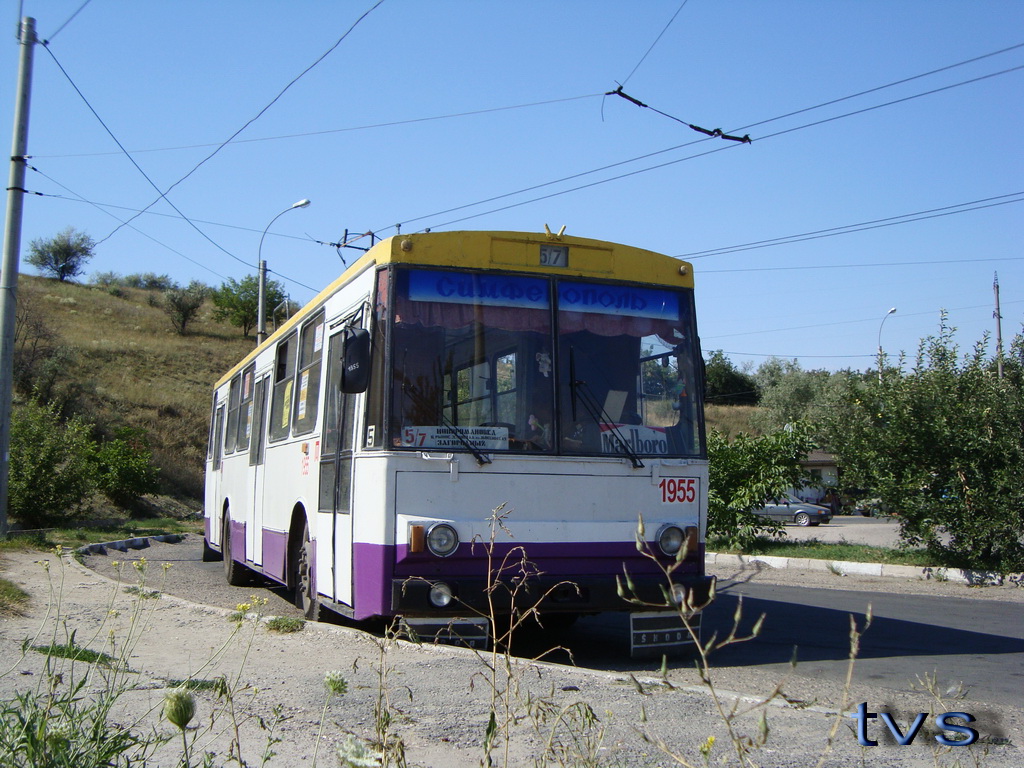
442 539
440 595
670 539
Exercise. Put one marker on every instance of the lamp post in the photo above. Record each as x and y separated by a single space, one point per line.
880 342
261 265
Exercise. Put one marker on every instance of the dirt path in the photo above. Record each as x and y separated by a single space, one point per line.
440 697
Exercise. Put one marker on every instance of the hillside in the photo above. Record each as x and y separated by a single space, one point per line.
116 361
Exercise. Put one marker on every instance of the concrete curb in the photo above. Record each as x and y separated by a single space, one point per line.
142 542
843 568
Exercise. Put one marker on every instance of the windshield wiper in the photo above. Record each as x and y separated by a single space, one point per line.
420 400
582 390
481 457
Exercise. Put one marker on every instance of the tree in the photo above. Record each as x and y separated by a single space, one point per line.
52 473
790 394
744 474
63 256
237 302
727 385
182 305
942 448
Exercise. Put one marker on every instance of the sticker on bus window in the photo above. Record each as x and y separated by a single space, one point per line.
318 338
303 391
481 438
646 441
286 411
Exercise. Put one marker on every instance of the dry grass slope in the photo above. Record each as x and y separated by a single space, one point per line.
132 369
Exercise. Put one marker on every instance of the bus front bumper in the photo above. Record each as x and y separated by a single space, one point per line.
415 596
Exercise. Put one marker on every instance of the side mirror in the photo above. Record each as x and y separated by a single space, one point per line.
355 361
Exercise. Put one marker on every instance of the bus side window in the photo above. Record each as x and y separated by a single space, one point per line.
212 437
284 382
245 410
234 402
307 397
218 430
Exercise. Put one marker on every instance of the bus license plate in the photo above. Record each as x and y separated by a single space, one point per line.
661 633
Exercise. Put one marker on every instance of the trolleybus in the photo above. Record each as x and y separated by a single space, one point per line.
356 455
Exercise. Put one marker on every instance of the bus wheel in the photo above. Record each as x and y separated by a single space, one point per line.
236 574
305 590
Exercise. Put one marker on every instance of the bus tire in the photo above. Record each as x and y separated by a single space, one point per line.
236 574
305 588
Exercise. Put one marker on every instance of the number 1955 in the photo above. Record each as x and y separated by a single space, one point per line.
681 490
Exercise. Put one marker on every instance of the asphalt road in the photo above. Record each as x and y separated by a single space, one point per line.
979 642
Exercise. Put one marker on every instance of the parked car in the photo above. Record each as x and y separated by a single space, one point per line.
789 509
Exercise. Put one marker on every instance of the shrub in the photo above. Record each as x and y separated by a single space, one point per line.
124 466
182 305
149 281
52 472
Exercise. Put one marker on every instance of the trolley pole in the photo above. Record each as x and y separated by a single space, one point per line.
12 251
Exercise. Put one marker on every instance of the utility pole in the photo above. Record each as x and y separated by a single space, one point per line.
999 328
12 252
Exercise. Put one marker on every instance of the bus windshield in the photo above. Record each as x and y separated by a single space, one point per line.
477 360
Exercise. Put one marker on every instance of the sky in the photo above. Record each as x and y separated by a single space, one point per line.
885 167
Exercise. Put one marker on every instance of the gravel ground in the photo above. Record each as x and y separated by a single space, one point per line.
440 696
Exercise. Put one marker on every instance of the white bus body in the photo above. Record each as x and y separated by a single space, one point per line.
506 370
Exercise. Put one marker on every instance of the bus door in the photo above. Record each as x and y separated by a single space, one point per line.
257 455
336 477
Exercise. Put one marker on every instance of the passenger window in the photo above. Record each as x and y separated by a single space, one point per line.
245 410
234 401
307 387
284 383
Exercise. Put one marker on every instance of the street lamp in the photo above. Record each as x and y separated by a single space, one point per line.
261 265
880 343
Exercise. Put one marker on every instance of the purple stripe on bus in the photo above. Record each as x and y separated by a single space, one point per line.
372 571
555 559
275 547
206 529
374 566
238 541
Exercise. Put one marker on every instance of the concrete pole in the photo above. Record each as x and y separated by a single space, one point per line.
11 256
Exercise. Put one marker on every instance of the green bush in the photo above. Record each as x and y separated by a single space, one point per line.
52 472
744 473
942 447
124 466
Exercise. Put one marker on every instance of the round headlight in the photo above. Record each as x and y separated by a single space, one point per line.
440 595
670 539
442 539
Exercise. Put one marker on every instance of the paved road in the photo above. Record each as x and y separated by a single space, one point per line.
979 643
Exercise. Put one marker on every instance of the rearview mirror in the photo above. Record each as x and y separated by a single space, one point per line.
355 361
